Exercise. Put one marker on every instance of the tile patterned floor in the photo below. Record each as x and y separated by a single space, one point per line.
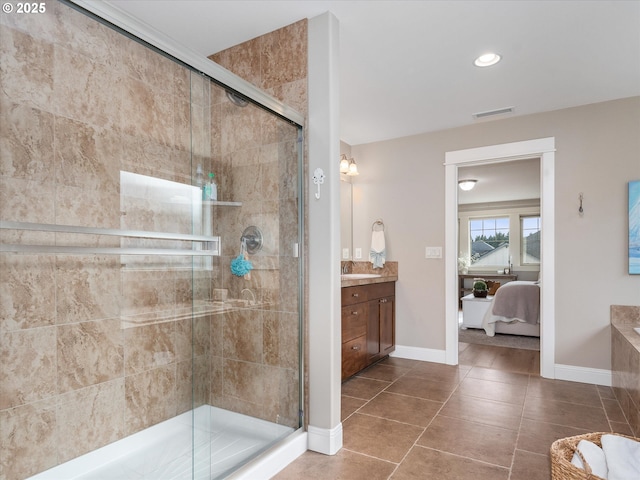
492 417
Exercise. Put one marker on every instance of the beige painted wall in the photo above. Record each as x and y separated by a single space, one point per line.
598 152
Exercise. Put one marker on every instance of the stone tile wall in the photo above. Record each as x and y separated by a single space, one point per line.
625 361
256 161
79 104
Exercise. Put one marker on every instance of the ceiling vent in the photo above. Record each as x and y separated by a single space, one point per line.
493 113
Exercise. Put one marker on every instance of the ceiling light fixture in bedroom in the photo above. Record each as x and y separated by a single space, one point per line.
467 185
487 59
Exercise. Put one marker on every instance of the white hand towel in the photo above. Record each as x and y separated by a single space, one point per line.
594 456
377 254
623 457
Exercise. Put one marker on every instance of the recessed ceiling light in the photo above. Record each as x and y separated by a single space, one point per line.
487 60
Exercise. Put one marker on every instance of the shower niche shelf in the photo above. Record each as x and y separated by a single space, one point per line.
219 203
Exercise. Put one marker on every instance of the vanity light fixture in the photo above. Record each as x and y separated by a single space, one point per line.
353 168
487 59
348 165
344 163
467 185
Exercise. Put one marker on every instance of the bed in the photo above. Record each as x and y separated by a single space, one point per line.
515 310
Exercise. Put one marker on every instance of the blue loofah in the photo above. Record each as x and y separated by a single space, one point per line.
240 267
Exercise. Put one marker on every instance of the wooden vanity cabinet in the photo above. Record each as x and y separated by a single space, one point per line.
355 318
368 325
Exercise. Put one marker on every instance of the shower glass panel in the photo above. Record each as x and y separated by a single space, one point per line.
247 388
128 347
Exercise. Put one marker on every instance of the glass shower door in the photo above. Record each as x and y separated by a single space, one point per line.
123 330
250 398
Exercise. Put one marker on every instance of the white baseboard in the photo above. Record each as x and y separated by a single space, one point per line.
571 373
327 441
275 460
418 353
595 376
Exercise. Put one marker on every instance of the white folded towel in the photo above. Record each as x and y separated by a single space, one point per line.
377 255
623 457
594 456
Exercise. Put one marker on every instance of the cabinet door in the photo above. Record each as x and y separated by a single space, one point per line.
387 325
373 331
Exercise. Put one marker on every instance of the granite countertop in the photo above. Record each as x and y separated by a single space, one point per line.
388 273
352 282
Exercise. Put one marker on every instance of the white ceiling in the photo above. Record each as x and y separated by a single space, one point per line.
501 182
406 67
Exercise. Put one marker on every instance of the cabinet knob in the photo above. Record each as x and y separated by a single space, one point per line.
355 347
383 300
355 295
354 313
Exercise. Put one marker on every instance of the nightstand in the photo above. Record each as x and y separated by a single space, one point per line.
473 310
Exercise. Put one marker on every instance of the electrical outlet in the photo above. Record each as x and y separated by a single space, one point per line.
358 253
433 252
345 254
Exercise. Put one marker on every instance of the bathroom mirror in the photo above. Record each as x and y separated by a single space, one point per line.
346 223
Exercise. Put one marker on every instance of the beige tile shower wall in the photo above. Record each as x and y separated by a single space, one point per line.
255 352
79 103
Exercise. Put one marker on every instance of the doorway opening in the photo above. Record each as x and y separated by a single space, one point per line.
499 243
540 148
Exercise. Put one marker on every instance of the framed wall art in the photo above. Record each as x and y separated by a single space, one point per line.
634 227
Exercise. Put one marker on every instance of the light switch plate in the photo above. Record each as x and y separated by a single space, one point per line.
433 252
358 253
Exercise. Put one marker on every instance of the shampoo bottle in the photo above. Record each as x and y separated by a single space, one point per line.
199 177
213 188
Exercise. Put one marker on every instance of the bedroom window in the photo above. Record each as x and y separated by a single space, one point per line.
489 241
530 240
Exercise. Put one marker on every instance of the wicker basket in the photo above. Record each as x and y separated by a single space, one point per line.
562 452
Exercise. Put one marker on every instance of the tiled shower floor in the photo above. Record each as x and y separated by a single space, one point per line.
220 441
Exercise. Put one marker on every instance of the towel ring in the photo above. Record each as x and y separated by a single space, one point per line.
377 223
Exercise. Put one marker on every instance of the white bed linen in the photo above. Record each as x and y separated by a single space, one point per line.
493 324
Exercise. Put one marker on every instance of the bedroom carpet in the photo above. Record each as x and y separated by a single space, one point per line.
479 337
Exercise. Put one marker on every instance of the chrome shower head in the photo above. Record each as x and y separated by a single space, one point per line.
236 99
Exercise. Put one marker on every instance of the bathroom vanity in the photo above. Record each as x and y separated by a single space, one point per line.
368 322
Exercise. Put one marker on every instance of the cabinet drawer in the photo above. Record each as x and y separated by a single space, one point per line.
357 294
354 356
379 290
354 321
